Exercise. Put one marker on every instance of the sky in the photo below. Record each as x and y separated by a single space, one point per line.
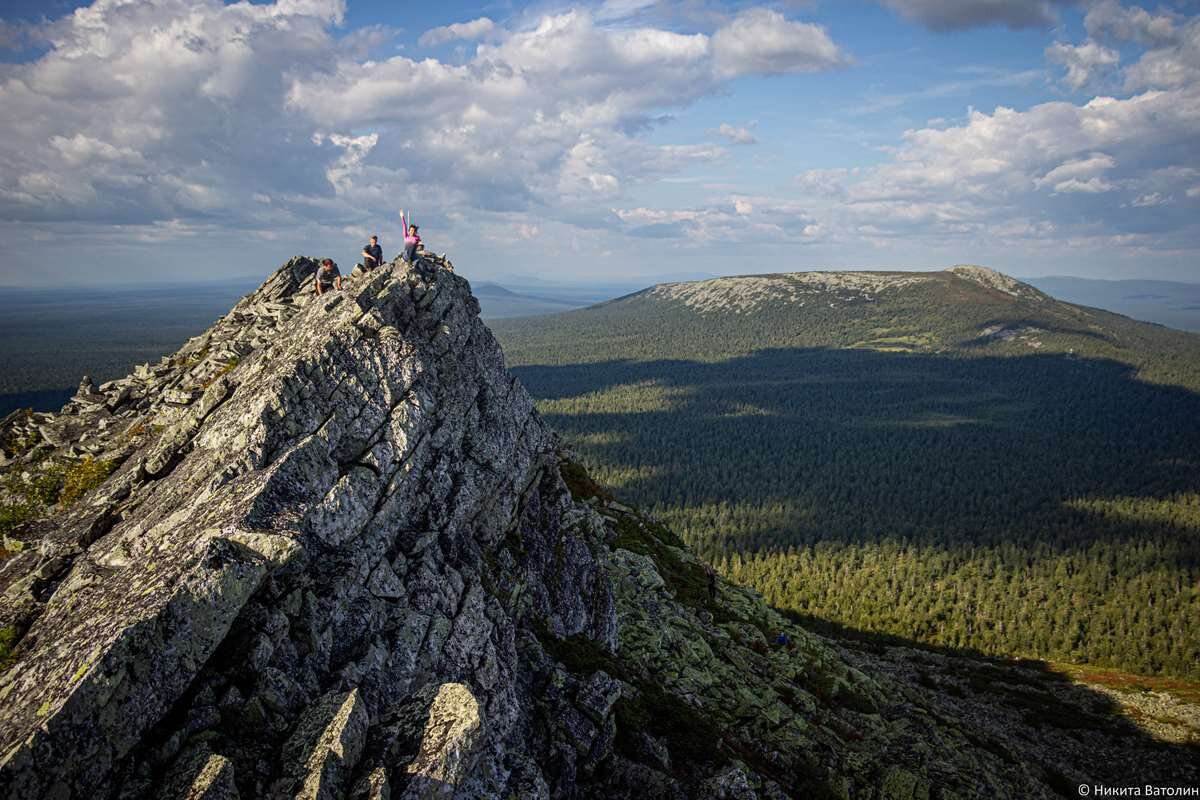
169 140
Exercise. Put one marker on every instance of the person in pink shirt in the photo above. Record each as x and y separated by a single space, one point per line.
411 239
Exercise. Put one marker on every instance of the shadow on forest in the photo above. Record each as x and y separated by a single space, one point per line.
864 445
945 451
1073 732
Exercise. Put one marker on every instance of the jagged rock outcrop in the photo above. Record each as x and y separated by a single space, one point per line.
985 276
328 549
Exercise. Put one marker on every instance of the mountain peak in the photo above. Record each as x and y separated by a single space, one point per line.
986 276
289 547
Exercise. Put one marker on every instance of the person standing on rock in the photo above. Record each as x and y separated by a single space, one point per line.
328 277
372 254
412 241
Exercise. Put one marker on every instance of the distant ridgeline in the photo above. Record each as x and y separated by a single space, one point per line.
953 457
50 338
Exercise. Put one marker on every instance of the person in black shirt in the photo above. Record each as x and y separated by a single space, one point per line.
372 254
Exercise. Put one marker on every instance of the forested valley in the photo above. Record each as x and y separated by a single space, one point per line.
941 461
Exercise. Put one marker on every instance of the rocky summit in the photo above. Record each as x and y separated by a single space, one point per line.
329 549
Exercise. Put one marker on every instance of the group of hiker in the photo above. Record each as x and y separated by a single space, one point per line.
329 277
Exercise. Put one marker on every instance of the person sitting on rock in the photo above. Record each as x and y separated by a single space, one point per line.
412 240
328 277
372 255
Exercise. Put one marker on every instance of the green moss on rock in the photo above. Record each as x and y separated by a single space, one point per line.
10 635
690 736
686 578
901 784
83 476
47 483
580 483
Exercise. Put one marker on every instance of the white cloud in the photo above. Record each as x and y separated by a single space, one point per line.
342 172
1149 200
209 108
825 182
81 149
1083 186
1172 42
760 41
736 134
1057 172
1084 63
1108 18
160 110
952 15
1079 175
732 219
167 118
459 30
1173 63
548 116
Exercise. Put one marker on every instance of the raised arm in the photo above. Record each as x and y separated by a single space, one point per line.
403 222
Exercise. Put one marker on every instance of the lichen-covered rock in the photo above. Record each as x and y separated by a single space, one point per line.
336 555
447 751
359 505
323 751
204 776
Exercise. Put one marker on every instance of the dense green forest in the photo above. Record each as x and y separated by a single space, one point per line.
50 338
937 458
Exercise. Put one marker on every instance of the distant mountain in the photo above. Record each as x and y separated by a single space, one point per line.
954 457
498 302
494 289
964 310
1164 302
593 290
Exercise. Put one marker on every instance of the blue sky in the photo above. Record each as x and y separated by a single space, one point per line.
620 139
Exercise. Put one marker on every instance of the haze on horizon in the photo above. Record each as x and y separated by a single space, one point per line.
172 140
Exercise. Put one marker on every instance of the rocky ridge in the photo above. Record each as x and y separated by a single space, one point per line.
992 279
329 549
747 293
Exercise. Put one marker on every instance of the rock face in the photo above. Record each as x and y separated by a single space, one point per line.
332 551
992 279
